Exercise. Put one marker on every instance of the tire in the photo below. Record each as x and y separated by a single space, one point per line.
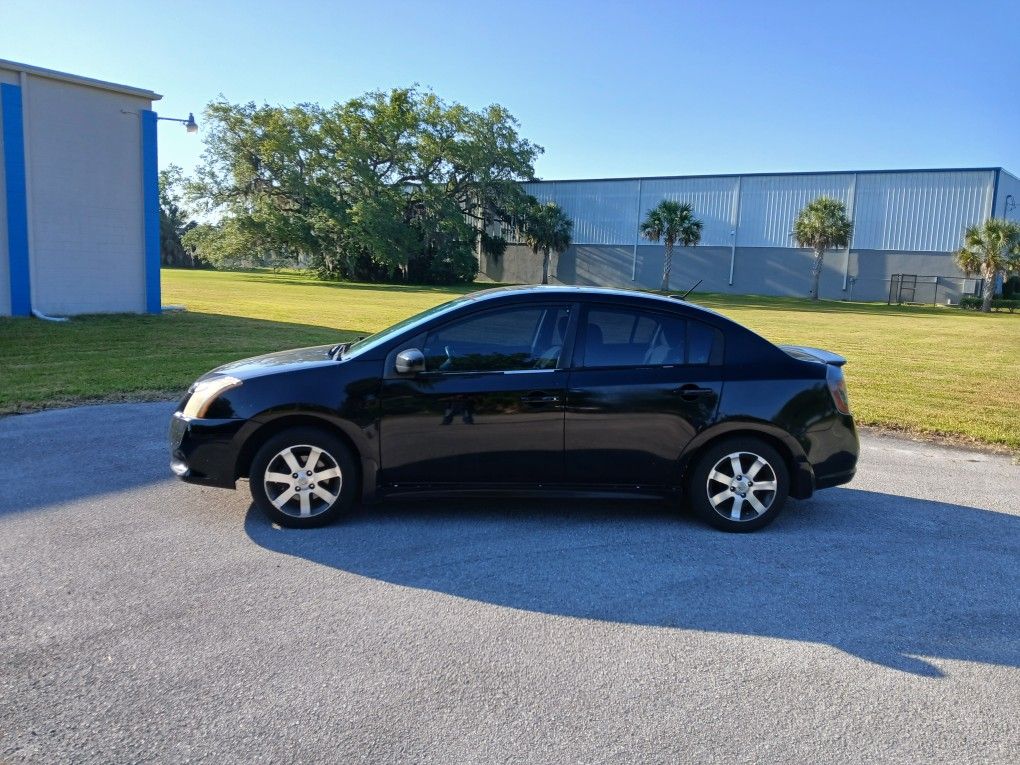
739 500
295 498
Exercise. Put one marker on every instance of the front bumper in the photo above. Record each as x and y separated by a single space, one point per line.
204 451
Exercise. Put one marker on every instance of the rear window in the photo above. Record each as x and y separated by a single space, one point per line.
626 337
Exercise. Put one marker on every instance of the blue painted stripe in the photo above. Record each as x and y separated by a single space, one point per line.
17 200
150 205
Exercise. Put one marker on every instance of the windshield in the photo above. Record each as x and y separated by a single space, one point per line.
372 341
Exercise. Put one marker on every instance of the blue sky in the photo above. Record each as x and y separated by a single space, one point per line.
609 89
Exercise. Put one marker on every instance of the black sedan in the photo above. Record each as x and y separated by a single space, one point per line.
552 389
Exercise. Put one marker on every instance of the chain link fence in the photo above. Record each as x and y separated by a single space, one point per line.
919 289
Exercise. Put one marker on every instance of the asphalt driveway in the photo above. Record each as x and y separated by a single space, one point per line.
145 620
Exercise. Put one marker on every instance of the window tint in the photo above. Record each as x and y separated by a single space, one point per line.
701 340
499 341
626 337
621 327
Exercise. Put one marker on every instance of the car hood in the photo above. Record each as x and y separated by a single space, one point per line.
271 363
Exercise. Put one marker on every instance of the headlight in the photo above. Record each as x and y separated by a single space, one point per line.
205 393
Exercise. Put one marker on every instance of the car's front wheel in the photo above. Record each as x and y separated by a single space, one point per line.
303 477
739 484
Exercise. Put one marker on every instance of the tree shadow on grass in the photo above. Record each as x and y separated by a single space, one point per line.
93 358
310 281
886 578
723 302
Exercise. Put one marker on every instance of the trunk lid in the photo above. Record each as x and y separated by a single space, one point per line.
806 353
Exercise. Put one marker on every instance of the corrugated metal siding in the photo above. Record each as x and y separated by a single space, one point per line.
712 199
770 203
604 212
1008 203
906 211
919 211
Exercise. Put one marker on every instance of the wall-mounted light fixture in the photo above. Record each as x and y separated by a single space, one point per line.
189 124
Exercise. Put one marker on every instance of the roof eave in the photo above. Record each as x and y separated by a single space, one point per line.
894 171
53 74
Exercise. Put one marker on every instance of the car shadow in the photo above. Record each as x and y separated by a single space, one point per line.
889 579
77 456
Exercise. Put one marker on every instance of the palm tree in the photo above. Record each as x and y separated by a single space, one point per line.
673 222
822 225
547 229
990 249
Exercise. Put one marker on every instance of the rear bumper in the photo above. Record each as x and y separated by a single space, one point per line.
204 451
831 459
835 479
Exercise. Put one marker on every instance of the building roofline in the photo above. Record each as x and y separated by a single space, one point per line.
785 174
53 74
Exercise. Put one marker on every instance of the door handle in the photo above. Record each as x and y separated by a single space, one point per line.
539 398
690 391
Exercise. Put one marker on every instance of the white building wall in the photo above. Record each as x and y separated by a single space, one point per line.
83 158
915 211
1007 205
922 211
604 212
770 203
712 199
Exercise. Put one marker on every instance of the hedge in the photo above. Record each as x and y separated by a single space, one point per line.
974 302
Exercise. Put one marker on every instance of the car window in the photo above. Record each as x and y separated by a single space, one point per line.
505 340
365 344
626 337
701 343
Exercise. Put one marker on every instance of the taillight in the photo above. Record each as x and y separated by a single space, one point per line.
837 387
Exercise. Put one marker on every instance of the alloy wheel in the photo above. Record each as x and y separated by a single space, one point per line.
741 486
303 481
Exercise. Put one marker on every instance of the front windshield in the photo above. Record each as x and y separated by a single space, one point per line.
368 343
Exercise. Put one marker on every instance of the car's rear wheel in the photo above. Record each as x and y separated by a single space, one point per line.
739 484
303 477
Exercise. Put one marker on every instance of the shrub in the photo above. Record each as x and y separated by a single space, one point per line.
973 302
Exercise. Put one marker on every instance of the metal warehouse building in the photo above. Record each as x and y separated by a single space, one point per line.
79 200
905 222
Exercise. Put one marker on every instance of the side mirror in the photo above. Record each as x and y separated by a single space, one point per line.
410 361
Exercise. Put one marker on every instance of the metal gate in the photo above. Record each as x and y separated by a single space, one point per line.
902 288
911 288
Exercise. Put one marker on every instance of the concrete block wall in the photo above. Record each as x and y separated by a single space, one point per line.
84 162
779 271
85 190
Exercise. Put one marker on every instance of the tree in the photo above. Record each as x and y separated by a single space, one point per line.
396 185
822 225
174 219
990 249
547 229
229 244
672 222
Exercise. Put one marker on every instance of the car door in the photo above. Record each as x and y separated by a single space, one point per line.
644 383
488 409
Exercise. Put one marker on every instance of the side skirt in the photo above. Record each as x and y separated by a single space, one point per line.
547 491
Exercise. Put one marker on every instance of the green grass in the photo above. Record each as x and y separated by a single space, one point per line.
923 370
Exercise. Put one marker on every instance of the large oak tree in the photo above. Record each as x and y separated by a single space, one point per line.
396 185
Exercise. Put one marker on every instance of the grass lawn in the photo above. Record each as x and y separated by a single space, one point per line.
924 370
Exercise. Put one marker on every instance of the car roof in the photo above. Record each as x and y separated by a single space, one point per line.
577 292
